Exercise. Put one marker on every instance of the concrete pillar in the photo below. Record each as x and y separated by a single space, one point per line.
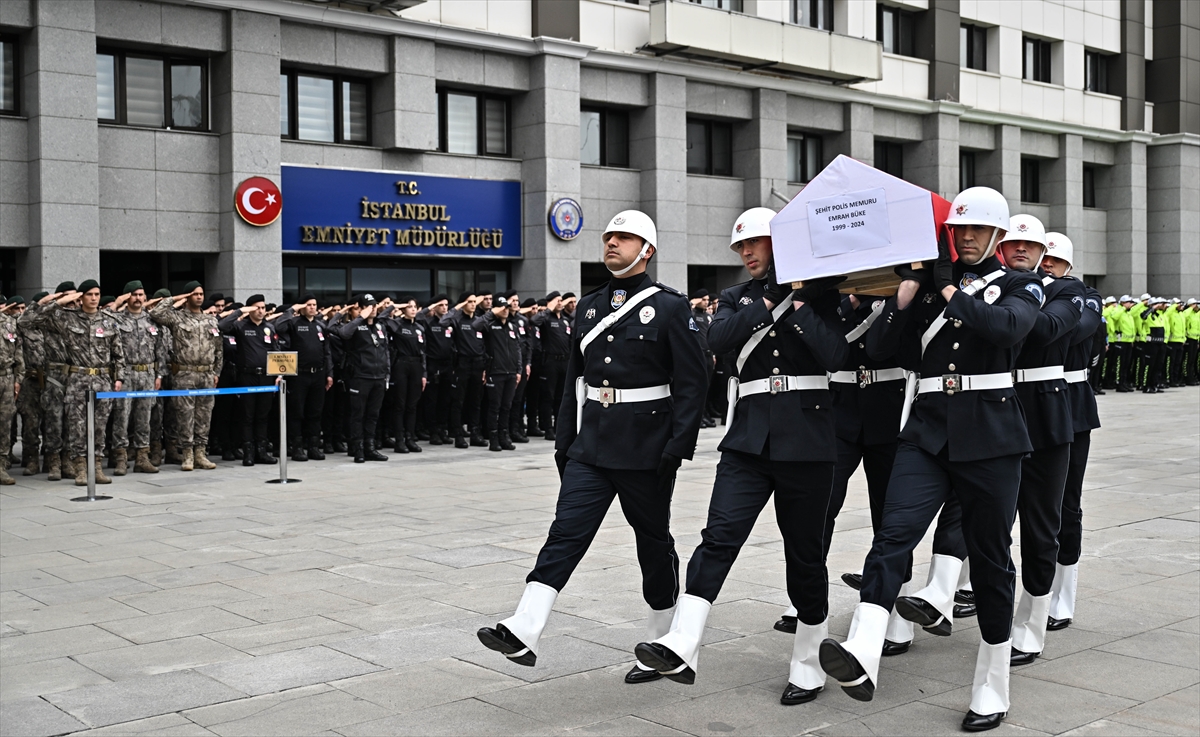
658 145
546 140
932 163
1126 198
1128 76
937 40
1062 186
1171 76
1000 168
245 104
857 139
405 99
1172 215
760 149
60 91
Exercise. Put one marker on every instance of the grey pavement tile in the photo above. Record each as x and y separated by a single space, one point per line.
174 578
300 711
57 644
1038 705
99 588
475 555
11 601
167 725
1188 625
398 615
139 698
186 597
1174 713
289 583
557 657
290 634
148 628
626 726
42 618
200 556
29 579
25 680
77 572
466 718
291 669
917 719
294 561
33 717
407 647
1162 645
1108 728
290 606
745 710
1120 620
429 684
1118 675
388 593
33 561
101 553
159 657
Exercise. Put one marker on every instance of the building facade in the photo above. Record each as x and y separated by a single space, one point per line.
420 146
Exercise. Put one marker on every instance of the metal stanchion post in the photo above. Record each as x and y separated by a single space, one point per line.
283 455
90 458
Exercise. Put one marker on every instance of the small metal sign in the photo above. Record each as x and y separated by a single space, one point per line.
281 363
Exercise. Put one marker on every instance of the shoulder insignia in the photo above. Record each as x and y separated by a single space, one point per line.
665 288
1036 290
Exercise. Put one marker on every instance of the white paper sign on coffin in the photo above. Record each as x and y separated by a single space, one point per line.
897 224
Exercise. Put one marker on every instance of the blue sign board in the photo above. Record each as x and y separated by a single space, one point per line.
346 211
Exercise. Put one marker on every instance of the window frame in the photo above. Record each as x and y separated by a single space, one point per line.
15 40
734 6
975 36
904 44
1031 180
890 147
120 92
804 137
1043 55
710 169
481 100
339 124
1088 187
1100 60
967 170
824 19
605 113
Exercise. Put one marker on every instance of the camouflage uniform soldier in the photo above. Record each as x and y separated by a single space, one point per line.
12 370
29 401
54 375
146 364
91 338
195 363
158 409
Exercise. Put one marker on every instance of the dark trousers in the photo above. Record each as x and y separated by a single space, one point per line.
464 404
517 413
533 394
553 378
256 409
306 402
1174 372
1039 505
987 492
439 393
366 397
743 485
1070 532
500 389
1155 358
1190 369
877 463
406 392
336 412
584 498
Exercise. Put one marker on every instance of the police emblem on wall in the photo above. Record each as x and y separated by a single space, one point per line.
566 218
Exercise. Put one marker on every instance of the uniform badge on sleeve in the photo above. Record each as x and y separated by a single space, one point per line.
1036 290
618 298
692 324
991 294
646 315
745 300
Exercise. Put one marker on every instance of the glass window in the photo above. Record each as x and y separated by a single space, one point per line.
285 127
709 148
314 109
491 282
462 120
603 137
144 91
966 170
8 74
327 285
1089 186
1095 70
473 124
734 5
895 29
392 282
106 87
813 13
972 47
354 111
697 147
804 157
1030 181
187 95
616 138
589 137
454 282
291 285
495 125
889 157
1036 60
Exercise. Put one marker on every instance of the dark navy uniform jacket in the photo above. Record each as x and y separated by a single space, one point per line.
555 334
654 345
468 341
525 337
310 340
439 342
806 342
254 342
366 346
867 415
503 344
406 340
1046 404
1084 415
979 338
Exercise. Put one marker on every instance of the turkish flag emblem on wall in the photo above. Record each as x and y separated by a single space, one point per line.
258 201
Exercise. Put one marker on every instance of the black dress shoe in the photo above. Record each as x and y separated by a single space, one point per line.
793 695
786 624
535 432
507 644
1019 657
973 722
841 664
638 675
549 435
853 580
1053 624
895 648
919 611
964 596
662 659
962 611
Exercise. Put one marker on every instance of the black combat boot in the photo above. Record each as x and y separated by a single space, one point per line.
248 454
477 439
506 441
494 442
371 454
410 442
298 453
314 450
339 446
263 455
435 438
400 446
356 448
460 441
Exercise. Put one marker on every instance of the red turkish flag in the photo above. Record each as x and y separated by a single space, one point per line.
258 201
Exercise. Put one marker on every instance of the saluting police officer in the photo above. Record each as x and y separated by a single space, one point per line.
504 370
439 369
555 332
255 338
367 365
780 440
407 337
469 362
305 332
959 325
629 417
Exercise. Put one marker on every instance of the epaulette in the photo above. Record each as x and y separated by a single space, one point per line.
671 290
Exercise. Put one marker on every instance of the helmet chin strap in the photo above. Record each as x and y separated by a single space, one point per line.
640 256
991 249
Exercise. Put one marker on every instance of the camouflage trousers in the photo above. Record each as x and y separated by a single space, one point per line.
29 406
52 412
8 409
192 415
76 397
131 417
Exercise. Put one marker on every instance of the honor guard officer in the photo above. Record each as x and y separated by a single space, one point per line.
407 337
305 333
367 366
1060 254
469 362
779 440
959 325
555 332
255 339
629 417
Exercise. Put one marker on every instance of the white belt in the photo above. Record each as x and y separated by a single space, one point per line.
866 377
953 383
1044 373
1074 377
778 384
607 395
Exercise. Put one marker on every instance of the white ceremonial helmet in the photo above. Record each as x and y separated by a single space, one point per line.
1110 300
753 223
1126 298
1145 297
1059 246
638 223
981 206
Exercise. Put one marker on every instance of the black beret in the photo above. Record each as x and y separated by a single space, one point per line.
216 296
699 293
67 286
541 303
255 299
192 286
464 297
17 300
552 295
568 295
39 295
89 285
132 286
308 297
528 303
207 303
439 298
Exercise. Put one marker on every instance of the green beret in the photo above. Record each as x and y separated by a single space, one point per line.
88 285
191 286
132 286
107 298
67 286
160 294
16 300
39 295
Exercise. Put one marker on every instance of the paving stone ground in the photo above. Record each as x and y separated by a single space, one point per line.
214 603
